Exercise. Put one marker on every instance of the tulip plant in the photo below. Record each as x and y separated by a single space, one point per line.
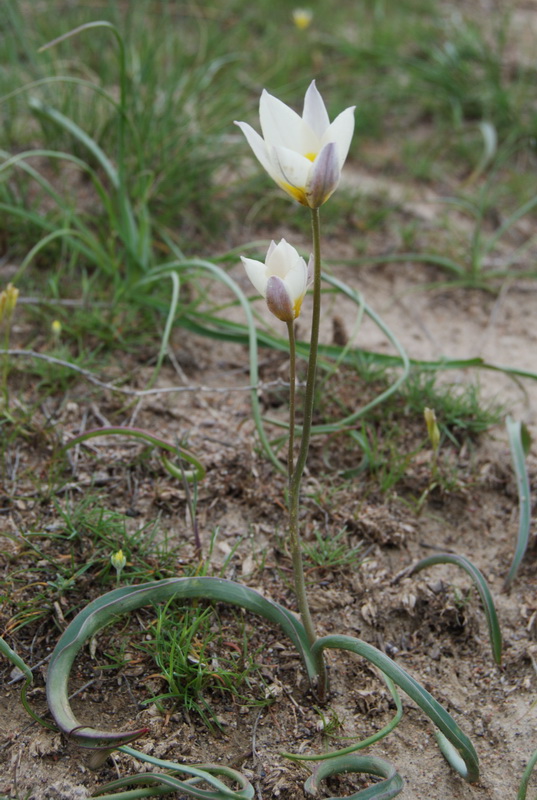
304 155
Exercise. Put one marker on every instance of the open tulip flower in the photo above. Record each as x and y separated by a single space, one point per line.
282 280
304 155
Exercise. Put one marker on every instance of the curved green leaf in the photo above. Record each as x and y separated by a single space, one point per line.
17 661
389 787
481 586
190 475
219 328
364 742
523 788
466 763
166 783
105 608
519 443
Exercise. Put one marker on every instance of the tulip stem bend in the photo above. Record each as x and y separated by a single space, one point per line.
296 470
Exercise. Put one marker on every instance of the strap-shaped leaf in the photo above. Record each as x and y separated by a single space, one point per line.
389 787
481 586
526 775
119 601
164 783
363 743
519 442
190 475
466 763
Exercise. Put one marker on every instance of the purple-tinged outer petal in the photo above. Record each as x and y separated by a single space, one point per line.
311 266
324 176
278 300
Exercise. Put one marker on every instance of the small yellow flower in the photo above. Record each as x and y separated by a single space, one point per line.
302 18
118 561
56 328
432 428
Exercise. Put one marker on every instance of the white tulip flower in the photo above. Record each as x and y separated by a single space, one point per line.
304 155
282 280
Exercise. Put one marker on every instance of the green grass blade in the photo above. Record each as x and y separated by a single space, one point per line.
404 360
174 302
105 608
468 768
52 115
197 474
482 588
517 438
526 775
391 786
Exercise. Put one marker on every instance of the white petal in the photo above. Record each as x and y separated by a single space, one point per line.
257 144
271 247
315 114
281 126
340 132
297 280
281 259
310 143
291 167
257 273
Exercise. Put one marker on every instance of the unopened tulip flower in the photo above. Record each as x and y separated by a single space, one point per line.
304 155
432 428
282 279
8 301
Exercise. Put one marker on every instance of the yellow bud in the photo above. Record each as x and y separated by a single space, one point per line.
432 428
302 18
12 294
118 561
8 301
56 328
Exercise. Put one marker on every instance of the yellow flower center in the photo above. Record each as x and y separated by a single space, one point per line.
294 191
311 156
297 306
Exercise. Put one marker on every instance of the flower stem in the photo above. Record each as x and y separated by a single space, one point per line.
296 472
292 399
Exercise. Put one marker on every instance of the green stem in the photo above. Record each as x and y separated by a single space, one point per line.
292 399
296 473
5 363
